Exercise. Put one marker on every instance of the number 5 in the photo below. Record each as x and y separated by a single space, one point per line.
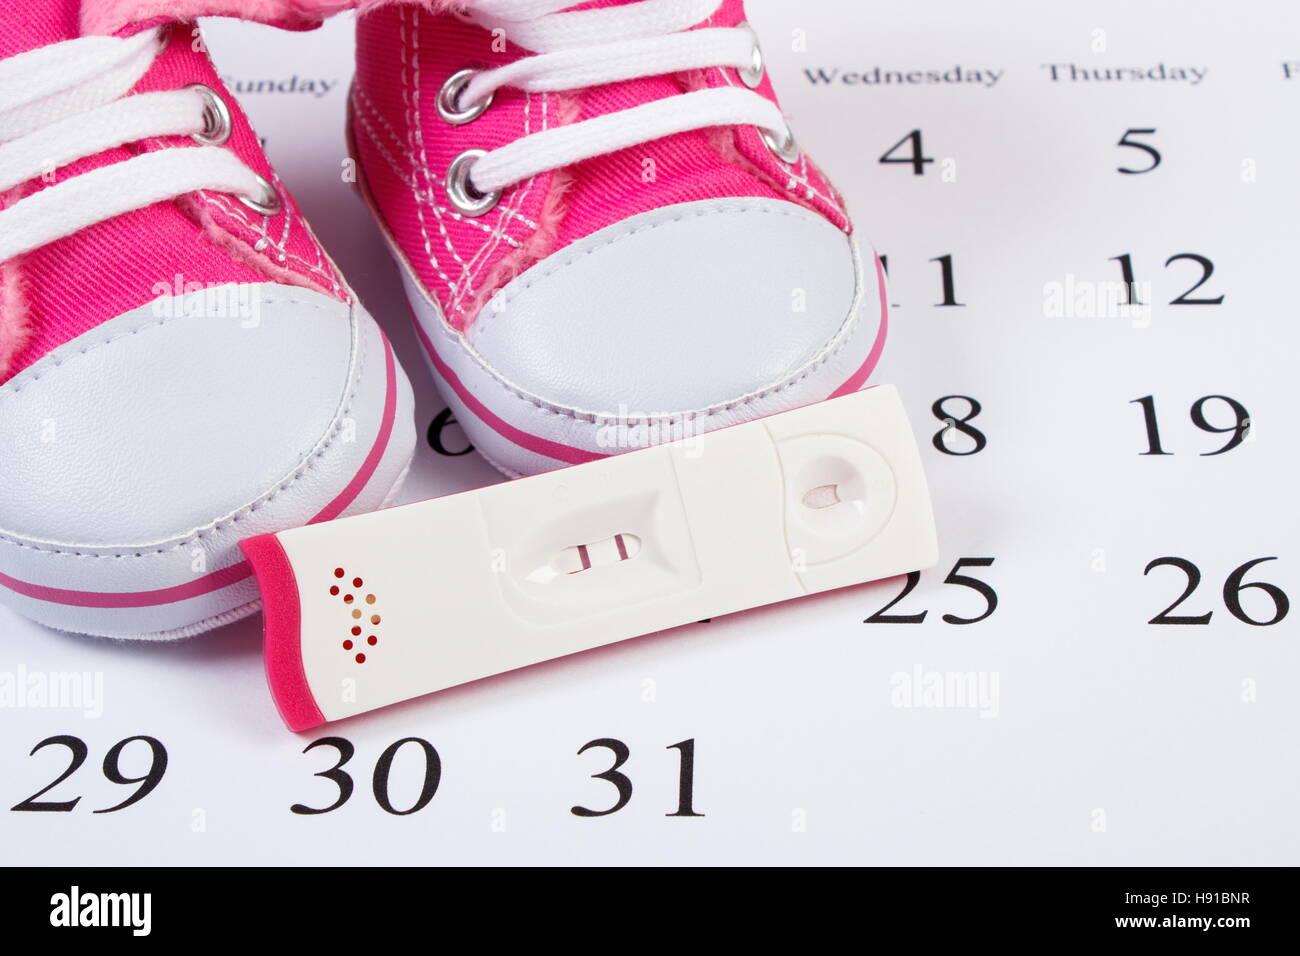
1145 147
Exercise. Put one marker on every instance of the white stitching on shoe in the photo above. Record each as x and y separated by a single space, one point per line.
288 223
218 200
406 99
482 254
225 206
365 105
488 249
418 130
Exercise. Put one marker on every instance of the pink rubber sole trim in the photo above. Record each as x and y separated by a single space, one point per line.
107 599
367 470
240 571
576 456
858 378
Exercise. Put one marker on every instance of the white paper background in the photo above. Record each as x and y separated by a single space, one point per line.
1114 741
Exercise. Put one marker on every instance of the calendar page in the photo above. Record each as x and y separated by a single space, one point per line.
1086 213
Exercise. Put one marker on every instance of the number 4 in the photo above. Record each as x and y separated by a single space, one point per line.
917 160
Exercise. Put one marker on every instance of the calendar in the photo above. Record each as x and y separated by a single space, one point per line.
1086 214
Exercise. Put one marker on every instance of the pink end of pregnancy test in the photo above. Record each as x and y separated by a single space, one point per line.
374 609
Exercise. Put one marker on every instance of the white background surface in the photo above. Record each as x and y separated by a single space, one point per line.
1112 740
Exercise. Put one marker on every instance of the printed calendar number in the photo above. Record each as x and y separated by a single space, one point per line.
917 158
1128 276
1233 588
961 424
1151 152
434 436
946 278
112 769
380 779
1239 428
623 784
954 577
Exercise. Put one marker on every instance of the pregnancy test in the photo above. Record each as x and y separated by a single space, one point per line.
370 610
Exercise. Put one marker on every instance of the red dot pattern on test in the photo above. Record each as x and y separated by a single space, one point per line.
352 599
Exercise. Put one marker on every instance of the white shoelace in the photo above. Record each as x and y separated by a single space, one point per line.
608 45
67 101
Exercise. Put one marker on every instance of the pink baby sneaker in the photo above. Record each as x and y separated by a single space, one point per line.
607 231
181 365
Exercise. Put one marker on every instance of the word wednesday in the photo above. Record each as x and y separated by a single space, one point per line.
134 910
956 76
1068 72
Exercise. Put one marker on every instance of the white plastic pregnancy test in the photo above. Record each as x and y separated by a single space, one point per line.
375 609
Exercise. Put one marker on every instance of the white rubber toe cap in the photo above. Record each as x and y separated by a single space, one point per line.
674 322
139 454
680 309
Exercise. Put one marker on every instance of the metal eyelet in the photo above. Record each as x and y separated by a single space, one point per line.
269 203
464 198
752 75
786 149
217 122
448 100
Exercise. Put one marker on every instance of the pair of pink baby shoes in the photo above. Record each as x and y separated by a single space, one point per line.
601 220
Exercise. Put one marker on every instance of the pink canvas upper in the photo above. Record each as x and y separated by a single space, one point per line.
404 55
406 49
58 292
